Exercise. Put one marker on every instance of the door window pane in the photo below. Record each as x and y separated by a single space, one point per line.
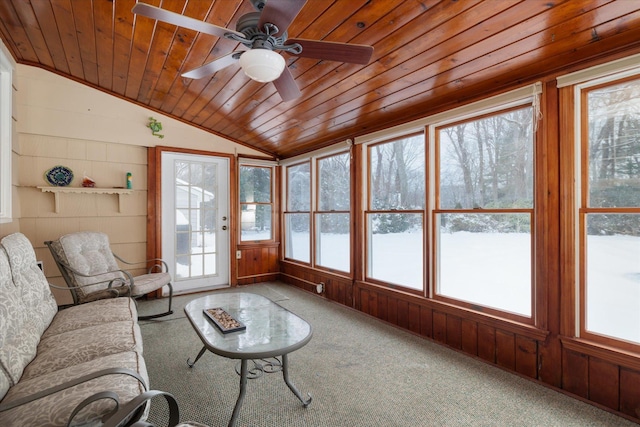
196 210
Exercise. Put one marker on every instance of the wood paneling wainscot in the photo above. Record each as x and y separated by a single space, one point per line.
258 263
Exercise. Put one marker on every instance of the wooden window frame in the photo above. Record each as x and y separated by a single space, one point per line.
370 211
583 210
315 208
271 203
435 163
287 211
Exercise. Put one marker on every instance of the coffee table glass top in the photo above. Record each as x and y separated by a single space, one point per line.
271 330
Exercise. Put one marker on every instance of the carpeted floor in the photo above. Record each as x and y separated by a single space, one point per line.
361 373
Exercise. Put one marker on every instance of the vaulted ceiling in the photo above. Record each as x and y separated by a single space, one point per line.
427 54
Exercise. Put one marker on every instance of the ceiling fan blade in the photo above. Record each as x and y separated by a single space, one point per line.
333 51
169 17
280 13
211 67
287 86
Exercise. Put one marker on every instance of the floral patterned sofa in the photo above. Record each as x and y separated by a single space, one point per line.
79 366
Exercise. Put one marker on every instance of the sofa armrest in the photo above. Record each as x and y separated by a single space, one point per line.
126 411
69 384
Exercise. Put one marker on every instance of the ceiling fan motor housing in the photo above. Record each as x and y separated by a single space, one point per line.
256 37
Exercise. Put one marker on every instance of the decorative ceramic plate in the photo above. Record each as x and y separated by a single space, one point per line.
60 176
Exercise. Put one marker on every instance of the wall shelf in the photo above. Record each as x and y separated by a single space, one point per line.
84 190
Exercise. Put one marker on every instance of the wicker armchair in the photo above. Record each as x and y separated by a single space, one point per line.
91 271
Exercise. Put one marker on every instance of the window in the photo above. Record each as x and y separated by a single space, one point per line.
395 212
297 217
256 202
483 213
332 216
609 213
6 130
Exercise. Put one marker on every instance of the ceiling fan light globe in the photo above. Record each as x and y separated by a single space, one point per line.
262 65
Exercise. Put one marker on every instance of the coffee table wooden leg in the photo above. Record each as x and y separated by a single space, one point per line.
293 388
243 390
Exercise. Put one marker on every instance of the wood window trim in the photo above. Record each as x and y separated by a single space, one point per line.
316 211
272 203
286 211
368 210
583 209
537 317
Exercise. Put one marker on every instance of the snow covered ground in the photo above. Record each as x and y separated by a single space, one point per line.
492 269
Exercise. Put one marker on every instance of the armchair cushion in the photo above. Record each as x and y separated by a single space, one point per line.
149 282
89 254
92 271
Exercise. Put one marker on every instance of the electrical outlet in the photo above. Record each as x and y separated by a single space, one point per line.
238 254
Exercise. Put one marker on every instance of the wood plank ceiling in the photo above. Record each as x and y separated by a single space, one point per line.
427 54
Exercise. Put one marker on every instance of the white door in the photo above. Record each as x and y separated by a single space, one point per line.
195 220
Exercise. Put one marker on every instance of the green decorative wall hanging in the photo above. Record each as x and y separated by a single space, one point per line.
155 127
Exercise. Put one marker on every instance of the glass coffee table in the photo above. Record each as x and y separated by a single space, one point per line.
267 331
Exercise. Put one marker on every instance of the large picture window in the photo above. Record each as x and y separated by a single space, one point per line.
395 213
256 202
609 212
483 215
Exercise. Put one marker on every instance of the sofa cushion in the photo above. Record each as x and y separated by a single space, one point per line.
32 282
75 347
14 353
92 314
26 308
55 409
5 383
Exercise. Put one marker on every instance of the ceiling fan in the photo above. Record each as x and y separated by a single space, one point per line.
261 34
